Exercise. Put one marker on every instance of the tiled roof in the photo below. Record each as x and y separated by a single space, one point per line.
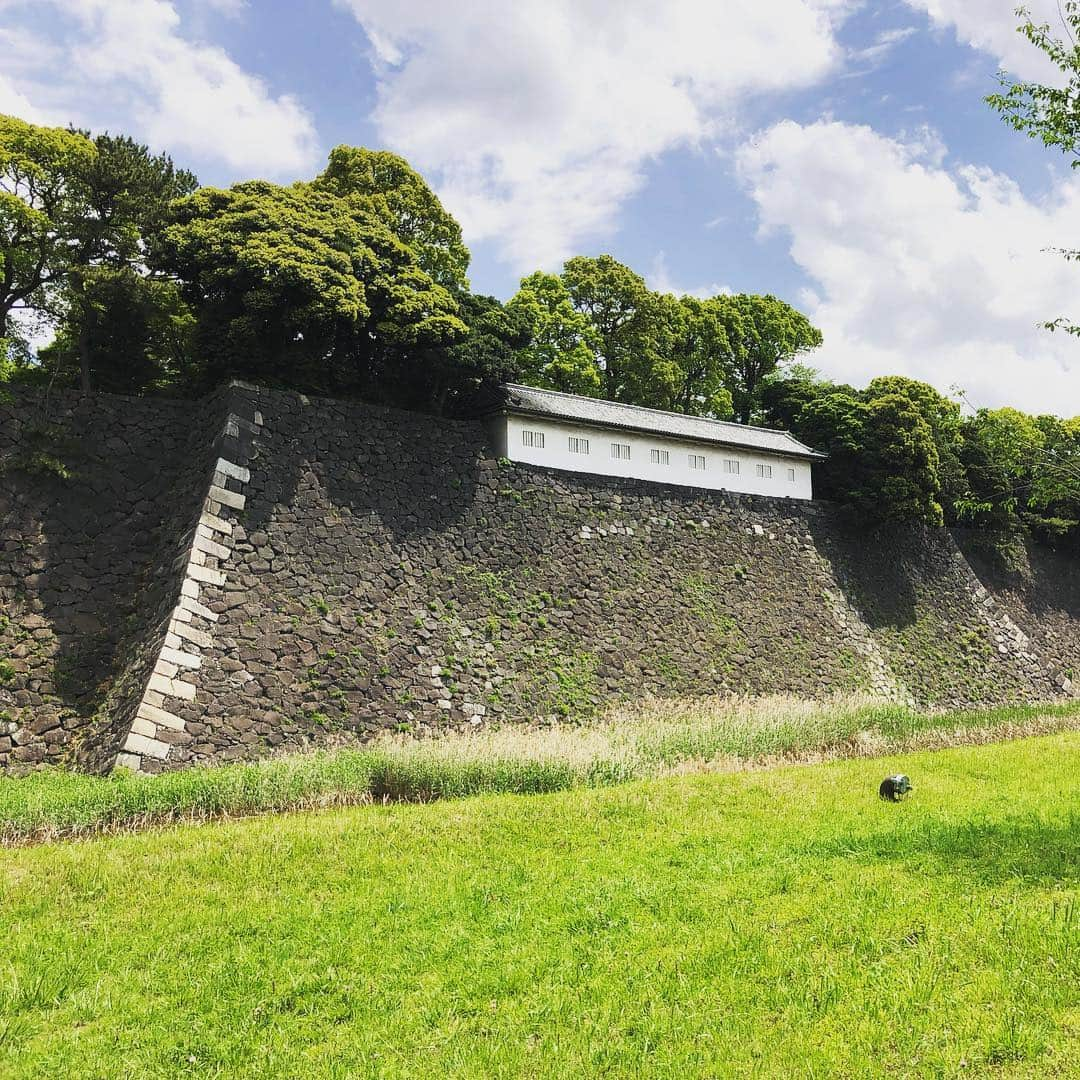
557 406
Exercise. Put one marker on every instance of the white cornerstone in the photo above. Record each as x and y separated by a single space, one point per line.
580 434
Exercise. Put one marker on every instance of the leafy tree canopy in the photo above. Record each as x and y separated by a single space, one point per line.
401 198
622 312
1001 451
764 334
270 270
943 416
128 191
450 378
599 330
130 333
43 209
882 457
561 353
700 351
297 283
1050 114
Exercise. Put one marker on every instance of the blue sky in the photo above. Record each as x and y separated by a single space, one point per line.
837 153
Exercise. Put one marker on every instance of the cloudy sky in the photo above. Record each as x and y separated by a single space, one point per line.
836 153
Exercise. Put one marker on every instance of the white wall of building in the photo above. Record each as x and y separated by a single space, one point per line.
791 476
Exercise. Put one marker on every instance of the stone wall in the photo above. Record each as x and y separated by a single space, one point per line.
356 569
1034 588
88 501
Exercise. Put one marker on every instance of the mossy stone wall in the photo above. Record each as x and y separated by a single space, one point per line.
386 572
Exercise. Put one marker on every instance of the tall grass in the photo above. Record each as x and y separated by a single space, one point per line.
650 739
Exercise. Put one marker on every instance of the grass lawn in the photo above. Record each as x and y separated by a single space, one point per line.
780 922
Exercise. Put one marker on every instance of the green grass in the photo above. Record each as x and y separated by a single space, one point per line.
644 741
780 922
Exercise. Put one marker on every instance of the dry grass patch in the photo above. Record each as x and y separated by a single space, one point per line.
650 739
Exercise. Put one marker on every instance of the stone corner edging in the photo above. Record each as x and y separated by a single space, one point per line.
190 625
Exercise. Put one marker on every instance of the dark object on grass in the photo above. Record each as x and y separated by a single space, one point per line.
894 788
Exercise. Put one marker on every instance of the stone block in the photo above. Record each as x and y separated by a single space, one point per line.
189 633
211 547
195 608
226 498
237 472
141 726
171 687
148 747
215 524
205 573
181 659
160 717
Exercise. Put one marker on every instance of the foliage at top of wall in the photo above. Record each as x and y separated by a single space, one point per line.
351 283
899 450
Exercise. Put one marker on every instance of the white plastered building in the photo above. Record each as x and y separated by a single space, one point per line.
587 435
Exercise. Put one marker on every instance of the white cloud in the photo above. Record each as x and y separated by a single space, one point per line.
230 9
539 120
990 26
15 103
16 46
126 65
941 275
883 44
660 279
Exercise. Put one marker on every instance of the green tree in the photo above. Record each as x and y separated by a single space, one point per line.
1054 499
270 273
401 198
900 469
132 333
943 416
128 191
882 457
16 359
1001 450
494 338
681 359
1050 114
785 394
764 334
72 207
43 203
560 353
629 344
701 354
623 314
450 378
302 287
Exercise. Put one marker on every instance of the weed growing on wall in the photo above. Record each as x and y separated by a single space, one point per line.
704 598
